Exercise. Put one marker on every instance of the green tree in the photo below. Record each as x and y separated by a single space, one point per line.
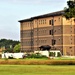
9 50
70 10
7 45
17 48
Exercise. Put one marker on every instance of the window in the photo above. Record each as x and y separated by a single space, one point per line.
70 47
45 21
41 21
53 42
51 32
31 33
45 41
51 22
45 31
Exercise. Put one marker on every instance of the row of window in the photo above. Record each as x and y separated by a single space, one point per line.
41 32
51 22
40 22
29 33
56 31
28 24
27 43
44 21
43 41
26 34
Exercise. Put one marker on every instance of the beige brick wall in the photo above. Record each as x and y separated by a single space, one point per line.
64 34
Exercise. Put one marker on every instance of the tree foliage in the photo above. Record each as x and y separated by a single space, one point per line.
10 50
17 48
8 45
70 10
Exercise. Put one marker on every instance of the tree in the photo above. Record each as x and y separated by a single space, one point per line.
8 45
17 48
70 11
9 50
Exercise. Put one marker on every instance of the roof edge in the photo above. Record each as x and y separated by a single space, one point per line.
43 16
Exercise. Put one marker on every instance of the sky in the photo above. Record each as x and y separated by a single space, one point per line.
11 11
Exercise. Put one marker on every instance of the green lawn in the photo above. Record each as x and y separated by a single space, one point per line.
37 70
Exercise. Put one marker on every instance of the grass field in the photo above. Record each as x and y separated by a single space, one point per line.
36 62
37 70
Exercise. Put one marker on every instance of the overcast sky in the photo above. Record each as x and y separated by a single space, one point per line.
13 10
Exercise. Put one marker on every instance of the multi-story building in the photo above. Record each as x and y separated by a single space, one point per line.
51 29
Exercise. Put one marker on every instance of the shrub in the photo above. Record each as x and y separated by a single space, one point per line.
52 54
37 55
58 55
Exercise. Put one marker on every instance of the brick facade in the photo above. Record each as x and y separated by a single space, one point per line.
41 30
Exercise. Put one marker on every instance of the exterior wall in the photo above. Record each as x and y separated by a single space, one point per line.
42 31
43 37
26 29
57 20
69 37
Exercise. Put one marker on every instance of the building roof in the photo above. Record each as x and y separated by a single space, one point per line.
43 16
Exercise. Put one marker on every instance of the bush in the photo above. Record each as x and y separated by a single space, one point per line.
38 55
58 55
52 54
